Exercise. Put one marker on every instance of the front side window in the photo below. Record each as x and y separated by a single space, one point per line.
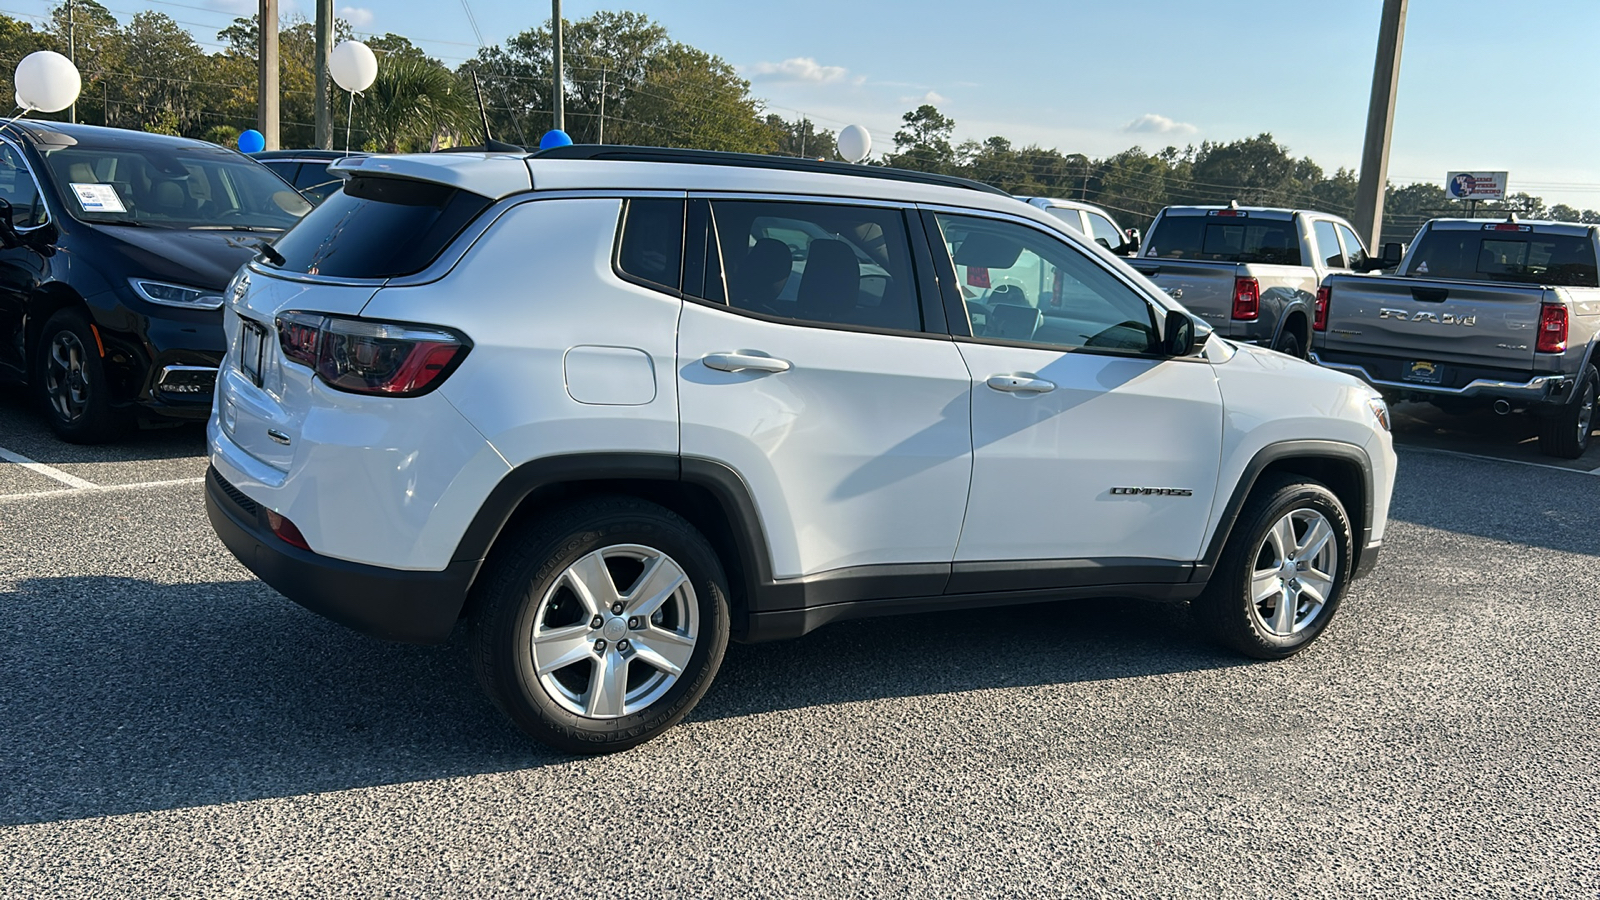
18 189
1328 244
1104 232
1025 286
178 186
1069 216
813 262
1355 254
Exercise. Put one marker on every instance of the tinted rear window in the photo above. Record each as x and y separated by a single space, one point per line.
1231 239
1521 257
378 228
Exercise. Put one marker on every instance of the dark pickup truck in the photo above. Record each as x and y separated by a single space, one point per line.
1494 314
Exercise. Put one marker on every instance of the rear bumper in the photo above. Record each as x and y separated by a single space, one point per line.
417 607
1537 389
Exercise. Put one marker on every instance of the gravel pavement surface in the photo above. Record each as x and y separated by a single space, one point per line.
171 727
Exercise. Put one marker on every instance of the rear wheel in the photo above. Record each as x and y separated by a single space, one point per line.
1283 572
70 381
1566 433
1290 343
604 626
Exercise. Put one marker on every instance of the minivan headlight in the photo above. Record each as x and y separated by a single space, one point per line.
1380 411
176 294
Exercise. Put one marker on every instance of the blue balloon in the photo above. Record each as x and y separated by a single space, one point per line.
252 141
555 137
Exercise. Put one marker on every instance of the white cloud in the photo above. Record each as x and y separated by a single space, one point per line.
1150 123
359 17
800 68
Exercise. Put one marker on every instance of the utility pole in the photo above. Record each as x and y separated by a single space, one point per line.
323 122
556 68
267 78
72 53
602 106
1380 123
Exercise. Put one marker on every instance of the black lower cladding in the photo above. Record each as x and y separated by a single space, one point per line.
417 607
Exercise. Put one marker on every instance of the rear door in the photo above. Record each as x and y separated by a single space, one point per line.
809 362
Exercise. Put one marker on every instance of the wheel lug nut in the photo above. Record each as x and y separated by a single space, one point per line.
596 622
617 608
599 646
622 646
633 622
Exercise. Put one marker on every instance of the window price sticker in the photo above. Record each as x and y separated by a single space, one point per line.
98 198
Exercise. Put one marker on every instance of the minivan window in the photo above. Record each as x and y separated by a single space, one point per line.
17 188
1238 239
180 186
1521 257
378 227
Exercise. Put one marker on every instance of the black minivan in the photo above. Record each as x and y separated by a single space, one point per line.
115 250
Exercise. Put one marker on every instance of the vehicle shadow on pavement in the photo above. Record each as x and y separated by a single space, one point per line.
1490 499
120 695
23 430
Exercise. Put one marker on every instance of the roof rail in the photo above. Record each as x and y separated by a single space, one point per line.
623 153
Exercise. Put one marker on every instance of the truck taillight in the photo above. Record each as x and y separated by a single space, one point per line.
1246 299
366 357
1552 329
1319 314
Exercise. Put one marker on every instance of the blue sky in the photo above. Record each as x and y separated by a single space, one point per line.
1484 85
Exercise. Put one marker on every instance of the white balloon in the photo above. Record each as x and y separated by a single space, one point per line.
47 81
854 143
353 66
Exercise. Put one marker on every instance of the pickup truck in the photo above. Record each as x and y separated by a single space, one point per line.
1252 273
1502 315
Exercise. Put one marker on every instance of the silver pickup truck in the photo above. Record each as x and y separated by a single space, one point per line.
1251 273
1480 313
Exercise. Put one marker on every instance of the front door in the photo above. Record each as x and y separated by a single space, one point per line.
21 266
804 364
1094 458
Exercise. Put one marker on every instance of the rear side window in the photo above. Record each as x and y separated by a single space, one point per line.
1520 257
650 247
378 228
837 265
1238 239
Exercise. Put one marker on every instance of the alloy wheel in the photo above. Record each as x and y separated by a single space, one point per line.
1294 572
66 377
615 631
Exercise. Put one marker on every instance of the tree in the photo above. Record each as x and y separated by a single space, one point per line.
801 138
924 143
412 102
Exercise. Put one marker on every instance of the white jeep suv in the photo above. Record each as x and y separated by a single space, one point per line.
613 406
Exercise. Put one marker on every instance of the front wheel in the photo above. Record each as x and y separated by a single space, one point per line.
70 381
1283 572
602 626
1566 433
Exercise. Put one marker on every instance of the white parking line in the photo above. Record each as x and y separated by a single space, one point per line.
47 471
1516 462
99 489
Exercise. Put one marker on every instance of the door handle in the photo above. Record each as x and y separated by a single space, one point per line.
740 362
1020 384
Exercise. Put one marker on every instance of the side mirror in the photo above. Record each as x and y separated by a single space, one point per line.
1103 242
1179 335
1131 245
1393 252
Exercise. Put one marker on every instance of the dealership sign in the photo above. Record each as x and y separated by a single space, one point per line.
1475 185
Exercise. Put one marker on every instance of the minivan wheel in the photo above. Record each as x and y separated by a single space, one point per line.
70 381
601 625
1566 433
1283 572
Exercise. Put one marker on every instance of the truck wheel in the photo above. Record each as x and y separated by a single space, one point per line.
1289 343
1566 433
602 626
69 380
1283 571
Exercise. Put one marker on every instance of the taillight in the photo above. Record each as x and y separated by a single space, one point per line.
1319 314
286 530
1246 299
1552 329
366 357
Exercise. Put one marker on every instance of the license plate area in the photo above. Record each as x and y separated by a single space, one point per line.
252 347
1423 371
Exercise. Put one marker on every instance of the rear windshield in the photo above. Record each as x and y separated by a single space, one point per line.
1218 239
378 228
1521 257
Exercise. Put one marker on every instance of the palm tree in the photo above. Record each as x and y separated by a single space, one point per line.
412 101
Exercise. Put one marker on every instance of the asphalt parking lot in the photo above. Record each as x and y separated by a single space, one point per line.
170 727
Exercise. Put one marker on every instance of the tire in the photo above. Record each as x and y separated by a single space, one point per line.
1566 433
1289 343
69 380
1273 628
532 615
